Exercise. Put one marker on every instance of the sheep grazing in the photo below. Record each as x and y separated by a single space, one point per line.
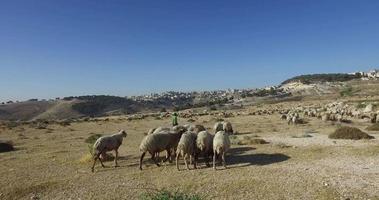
186 148
283 117
160 129
218 127
151 131
204 143
107 143
227 127
157 142
196 128
175 129
221 145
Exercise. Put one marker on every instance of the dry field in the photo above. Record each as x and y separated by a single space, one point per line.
299 162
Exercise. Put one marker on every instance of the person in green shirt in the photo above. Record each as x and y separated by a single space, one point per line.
175 119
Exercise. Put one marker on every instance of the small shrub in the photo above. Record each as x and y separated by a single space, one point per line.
191 120
374 127
6 146
348 91
167 195
360 106
213 108
92 139
88 157
351 133
65 123
246 140
12 124
219 119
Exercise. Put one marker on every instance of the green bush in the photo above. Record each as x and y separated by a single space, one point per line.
167 195
347 91
92 139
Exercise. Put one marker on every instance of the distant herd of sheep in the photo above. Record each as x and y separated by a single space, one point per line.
335 111
187 141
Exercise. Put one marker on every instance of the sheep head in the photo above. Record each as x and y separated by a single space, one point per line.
123 133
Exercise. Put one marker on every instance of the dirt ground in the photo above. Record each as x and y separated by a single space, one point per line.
49 163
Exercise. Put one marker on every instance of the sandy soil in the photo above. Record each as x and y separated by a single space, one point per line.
48 165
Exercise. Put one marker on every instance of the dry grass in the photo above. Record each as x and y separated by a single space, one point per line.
350 133
167 195
374 127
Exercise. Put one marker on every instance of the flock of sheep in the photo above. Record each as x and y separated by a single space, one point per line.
335 111
193 141
187 141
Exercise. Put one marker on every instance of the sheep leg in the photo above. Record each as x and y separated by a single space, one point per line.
214 160
140 160
101 162
223 159
115 160
168 155
154 159
94 161
194 161
207 160
185 161
177 161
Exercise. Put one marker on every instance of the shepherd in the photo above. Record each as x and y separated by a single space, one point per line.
175 119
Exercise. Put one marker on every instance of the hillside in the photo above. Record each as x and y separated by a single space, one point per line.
102 105
24 110
321 78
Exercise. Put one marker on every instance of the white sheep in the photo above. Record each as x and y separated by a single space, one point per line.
196 128
175 129
218 127
186 148
160 129
105 144
204 143
157 142
227 127
221 145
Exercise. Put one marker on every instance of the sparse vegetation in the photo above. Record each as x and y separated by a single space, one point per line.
351 133
374 127
347 91
167 195
12 124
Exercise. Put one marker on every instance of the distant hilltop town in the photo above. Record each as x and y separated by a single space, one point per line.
372 74
237 95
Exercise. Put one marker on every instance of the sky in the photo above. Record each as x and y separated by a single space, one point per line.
51 48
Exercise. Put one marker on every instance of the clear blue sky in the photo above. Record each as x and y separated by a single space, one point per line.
60 48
